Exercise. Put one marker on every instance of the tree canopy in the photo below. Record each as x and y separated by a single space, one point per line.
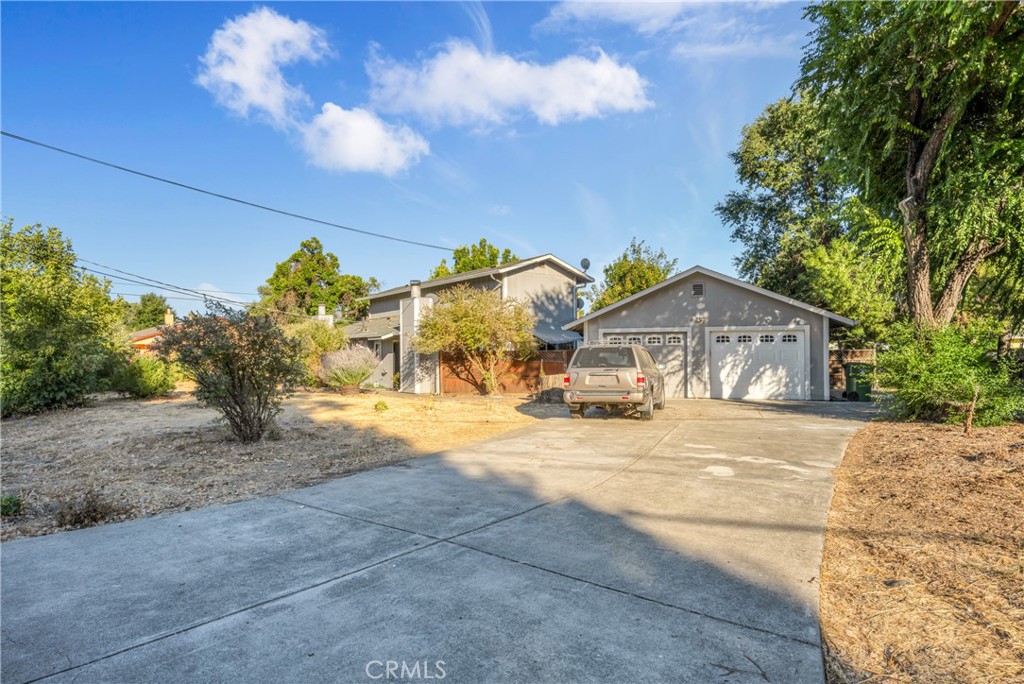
59 322
148 312
638 268
922 103
471 257
790 200
474 330
311 277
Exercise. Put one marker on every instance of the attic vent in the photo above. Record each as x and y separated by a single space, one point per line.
698 289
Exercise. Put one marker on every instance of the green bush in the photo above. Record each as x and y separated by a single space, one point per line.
143 377
381 406
242 365
10 506
951 374
348 367
316 338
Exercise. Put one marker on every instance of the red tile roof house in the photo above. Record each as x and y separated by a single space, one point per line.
548 284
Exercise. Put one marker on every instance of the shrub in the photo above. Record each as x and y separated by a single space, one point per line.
348 367
242 365
315 338
57 322
143 377
950 373
87 509
10 505
381 406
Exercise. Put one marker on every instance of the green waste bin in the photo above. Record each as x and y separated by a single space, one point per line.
858 381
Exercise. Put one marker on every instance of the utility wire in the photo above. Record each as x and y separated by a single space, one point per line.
219 195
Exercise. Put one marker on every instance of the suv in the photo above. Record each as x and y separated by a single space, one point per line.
612 376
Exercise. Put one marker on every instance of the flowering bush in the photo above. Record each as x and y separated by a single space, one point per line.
242 365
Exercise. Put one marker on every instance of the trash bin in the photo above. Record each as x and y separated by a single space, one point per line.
858 381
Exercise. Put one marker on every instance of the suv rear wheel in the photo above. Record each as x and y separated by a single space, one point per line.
646 410
577 414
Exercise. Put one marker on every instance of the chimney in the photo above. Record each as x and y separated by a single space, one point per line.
168 317
321 310
414 288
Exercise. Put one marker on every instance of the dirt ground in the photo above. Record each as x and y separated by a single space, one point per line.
923 574
120 459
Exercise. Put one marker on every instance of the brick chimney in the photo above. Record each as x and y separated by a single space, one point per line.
168 317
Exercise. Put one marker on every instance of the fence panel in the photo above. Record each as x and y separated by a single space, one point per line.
514 377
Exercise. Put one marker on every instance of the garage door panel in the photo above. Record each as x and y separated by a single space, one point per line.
673 358
765 365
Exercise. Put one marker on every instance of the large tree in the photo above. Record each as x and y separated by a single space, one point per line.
59 322
474 330
790 199
471 257
311 277
922 102
638 268
148 312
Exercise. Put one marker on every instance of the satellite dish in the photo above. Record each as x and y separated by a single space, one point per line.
585 264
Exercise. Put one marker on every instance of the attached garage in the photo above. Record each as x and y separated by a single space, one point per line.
722 338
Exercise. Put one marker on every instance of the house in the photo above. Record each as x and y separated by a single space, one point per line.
143 340
720 337
546 283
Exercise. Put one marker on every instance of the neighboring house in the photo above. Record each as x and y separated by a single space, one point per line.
143 340
546 283
722 338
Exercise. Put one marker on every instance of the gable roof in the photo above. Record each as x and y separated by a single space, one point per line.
379 327
488 271
711 274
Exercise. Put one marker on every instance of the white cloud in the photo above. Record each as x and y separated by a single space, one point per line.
242 64
357 140
481 24
643 17
461 85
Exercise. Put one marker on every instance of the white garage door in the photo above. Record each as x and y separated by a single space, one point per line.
758 364
668 349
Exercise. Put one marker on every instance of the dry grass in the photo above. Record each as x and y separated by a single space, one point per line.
923 574
120 459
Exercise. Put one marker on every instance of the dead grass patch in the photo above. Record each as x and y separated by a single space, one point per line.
120 459
923 572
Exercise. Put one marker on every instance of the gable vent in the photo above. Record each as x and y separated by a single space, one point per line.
697 289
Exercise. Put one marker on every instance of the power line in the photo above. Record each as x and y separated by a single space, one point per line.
219 195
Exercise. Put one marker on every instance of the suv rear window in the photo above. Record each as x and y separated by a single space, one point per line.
603 357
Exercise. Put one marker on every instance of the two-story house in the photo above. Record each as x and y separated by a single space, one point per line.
546 283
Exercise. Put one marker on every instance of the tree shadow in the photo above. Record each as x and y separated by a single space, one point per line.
535 556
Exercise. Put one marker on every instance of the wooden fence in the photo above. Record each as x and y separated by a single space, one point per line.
836 359
515 377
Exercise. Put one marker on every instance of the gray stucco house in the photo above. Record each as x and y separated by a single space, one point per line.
722 338
546 283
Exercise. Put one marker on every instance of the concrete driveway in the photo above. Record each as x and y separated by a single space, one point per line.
609 549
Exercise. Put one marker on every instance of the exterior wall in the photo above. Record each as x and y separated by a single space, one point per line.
385 371
549 291
722 305
385 305
419 371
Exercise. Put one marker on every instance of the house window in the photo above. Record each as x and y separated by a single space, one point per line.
721 339
613 339
789 337
377 349
744 338
767 338
697 289
674 339
634 339
654 339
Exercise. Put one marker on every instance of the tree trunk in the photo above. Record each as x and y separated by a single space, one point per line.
953 293
969 421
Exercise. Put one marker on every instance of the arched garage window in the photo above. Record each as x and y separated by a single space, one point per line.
674 339
634 339
789 337
654 339
721 339
613 339
744 338
768 338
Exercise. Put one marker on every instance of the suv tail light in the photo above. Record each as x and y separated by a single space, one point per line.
565 381
641 381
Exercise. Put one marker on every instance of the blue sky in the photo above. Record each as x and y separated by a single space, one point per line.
565 128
